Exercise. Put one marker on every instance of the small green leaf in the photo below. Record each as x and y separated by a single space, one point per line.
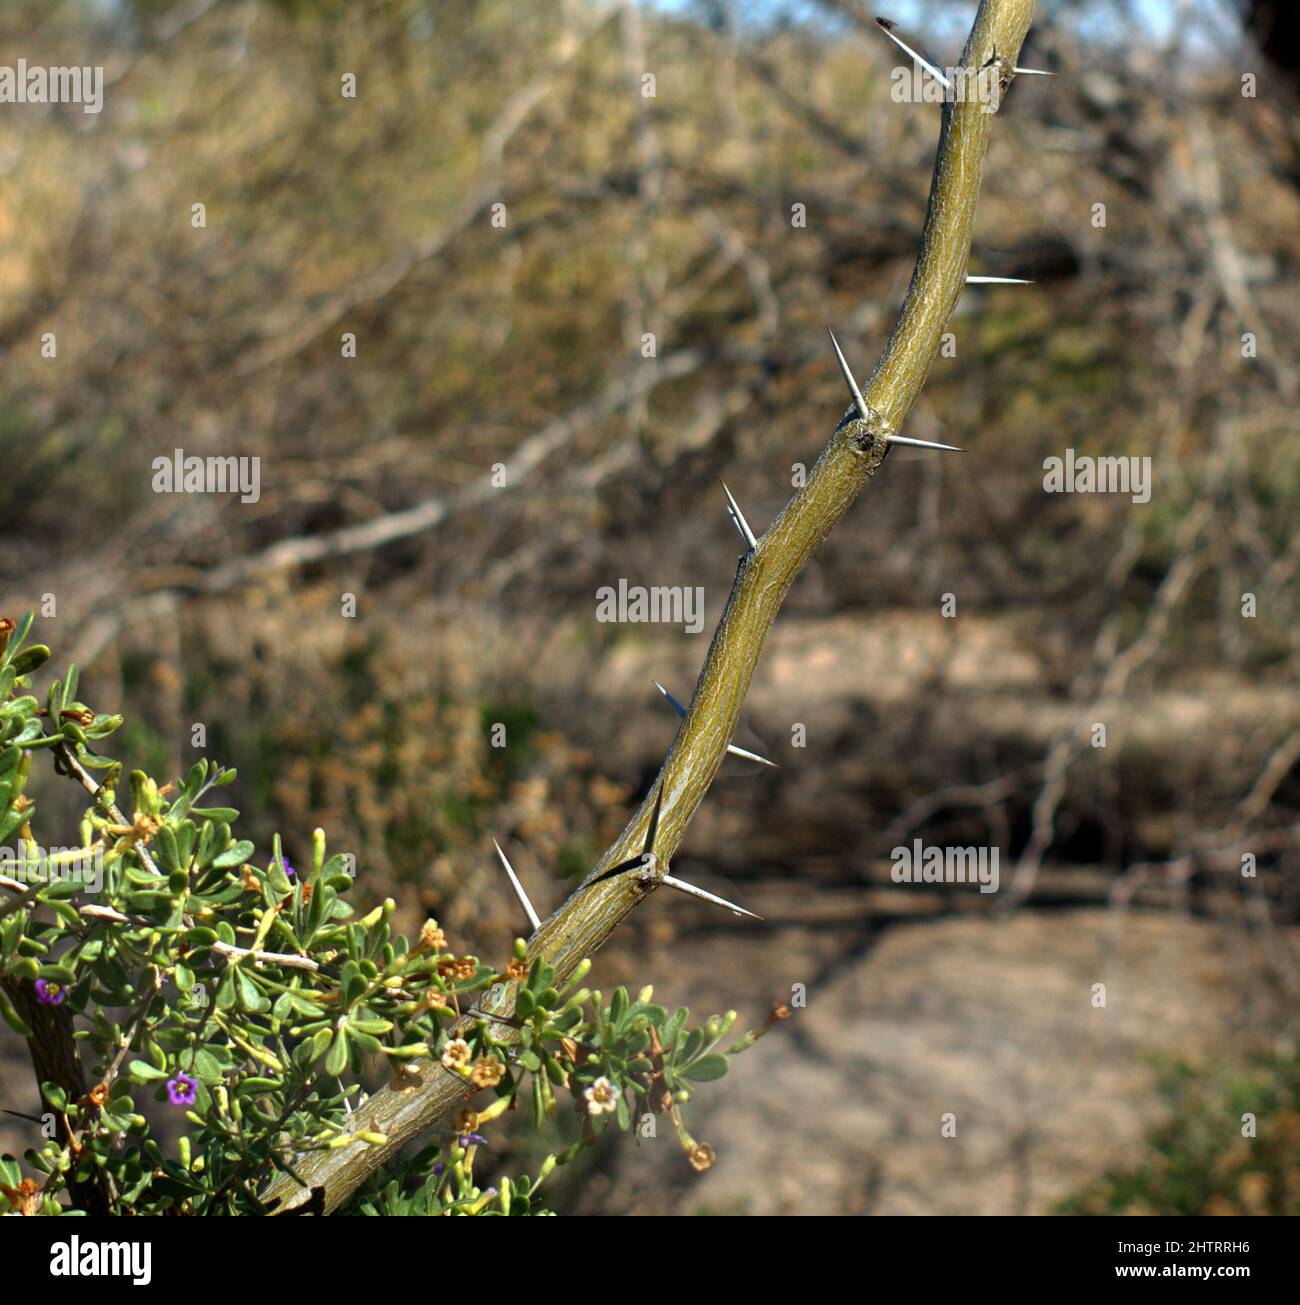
30 659
251 999
337 1061
11 1016
225 994
320 1043
236 854
225 814
168 851
206 1068
144 1072
706 1069
673 1026
60 888
373 1027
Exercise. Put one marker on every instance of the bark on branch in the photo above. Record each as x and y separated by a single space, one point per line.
855 452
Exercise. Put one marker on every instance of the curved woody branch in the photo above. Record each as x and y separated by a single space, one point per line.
857 448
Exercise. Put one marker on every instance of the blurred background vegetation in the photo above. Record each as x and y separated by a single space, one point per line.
669 216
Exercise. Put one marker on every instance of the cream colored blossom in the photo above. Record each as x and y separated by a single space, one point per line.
701 1156
601 1096
455 1055
488 1071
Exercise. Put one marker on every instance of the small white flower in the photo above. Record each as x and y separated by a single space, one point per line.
601 1096
455 1055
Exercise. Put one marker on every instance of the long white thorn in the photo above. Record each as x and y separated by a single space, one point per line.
676 706
518 887
861 404
1033 72
863 411
731 747
924 444
746 755
683 887
887 27
996 280
738 517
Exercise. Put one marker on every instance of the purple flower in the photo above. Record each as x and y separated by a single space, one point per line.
48 993
288 869
182 1090
472 1139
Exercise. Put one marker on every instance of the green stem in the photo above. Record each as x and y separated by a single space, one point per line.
856 450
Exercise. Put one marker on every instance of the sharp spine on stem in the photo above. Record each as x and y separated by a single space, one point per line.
887 26
519 888
865 413
738 517
683 887
647 863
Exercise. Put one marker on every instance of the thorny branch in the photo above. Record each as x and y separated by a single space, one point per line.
855 452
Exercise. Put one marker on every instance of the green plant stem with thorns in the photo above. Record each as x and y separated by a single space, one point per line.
855 452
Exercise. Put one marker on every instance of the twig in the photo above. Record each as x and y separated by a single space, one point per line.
290 960
68 757
116 1065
